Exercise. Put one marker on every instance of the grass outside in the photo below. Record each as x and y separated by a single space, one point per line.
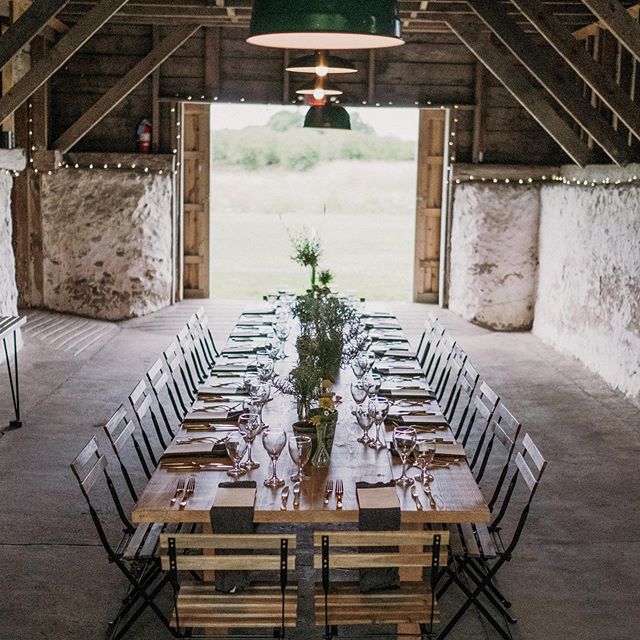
364 212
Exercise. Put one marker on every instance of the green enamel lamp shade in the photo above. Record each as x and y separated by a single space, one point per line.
327 117
321 63
325 24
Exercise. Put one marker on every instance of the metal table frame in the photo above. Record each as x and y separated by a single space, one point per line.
9 325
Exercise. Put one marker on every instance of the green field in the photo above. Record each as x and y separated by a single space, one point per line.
363 211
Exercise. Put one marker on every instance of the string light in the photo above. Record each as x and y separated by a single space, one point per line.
556 179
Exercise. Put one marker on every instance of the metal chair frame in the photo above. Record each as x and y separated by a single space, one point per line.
440 357
465 386
454 361
196 370
203 352
527 468
144 577
483 405
174 359
206 331
158 381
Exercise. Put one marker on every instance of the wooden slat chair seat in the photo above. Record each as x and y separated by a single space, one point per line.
412 603
200 606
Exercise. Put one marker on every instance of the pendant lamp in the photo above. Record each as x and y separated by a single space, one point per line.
319 89
325 24
329 116
321 63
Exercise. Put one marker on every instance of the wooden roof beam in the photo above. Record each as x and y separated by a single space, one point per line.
551 75
27 27
121 89
42 70
618 20
534 100
573 52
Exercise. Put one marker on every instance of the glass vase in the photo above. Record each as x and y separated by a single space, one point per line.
321 457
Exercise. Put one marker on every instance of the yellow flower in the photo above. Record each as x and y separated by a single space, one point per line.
326 403
326 384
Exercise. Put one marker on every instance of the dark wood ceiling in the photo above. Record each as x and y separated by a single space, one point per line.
416 15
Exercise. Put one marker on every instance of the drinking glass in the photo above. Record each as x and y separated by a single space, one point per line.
260 394
282 329
424 453
372 383
249 426
404 441
274 441
300 452
364 418
236 448
381 410
359 393
357 368
264 367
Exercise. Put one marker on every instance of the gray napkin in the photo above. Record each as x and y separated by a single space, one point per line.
232 520
378 520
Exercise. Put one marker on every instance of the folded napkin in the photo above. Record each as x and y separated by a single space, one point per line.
406 392
232 512
399 370
401 353
421 421
206 415
259 310
240 367
204 448
378 314
379 511
450 450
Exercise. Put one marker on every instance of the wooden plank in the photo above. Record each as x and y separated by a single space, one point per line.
552 78
618 20
27 26
212 50
477 149
573 52
123 87
58 55
155 94
535 101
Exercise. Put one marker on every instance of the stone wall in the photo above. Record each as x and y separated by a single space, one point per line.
8 289
494 254
588 300
107 241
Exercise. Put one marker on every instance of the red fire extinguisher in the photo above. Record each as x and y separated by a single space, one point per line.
144 136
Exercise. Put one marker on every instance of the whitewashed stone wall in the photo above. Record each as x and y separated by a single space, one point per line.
8 290
107 242
588 301
494 239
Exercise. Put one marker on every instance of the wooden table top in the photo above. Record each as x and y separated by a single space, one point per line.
457 495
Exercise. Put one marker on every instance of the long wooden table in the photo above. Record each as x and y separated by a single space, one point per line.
458 497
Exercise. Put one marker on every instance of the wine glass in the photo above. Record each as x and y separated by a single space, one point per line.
359 393
300 452
282 329
370 359
424 453
236 447
264 367
249 426
274 441
364 418
358 368
372 383
260 394
404 441
381 410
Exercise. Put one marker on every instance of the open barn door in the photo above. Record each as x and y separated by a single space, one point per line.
430 201
196 158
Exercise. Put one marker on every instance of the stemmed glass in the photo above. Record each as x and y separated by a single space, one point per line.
260 394
264 367
425 452
249 426
236 447
282 329
274 441
364 418
372 383
381 410
358 368
359 392
300 452
404 441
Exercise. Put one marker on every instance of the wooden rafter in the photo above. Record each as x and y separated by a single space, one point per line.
617 19
534 100
124 87
27 26
58 55
573 52
551 75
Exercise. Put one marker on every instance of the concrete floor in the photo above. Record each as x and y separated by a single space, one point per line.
576 571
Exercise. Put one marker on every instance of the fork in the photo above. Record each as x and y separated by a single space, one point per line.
179 490
339 494
328 490
188 492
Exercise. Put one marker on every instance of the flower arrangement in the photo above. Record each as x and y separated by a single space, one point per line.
328 401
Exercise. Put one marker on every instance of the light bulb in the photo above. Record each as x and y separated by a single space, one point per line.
318 93
322 70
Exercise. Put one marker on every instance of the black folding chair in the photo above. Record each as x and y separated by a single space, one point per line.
482 551
134 554
195 367
430 335
459 401
439 359
453 364
483 405
174 359
204 325
160 382
201 342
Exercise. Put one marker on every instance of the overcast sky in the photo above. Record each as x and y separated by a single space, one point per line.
394 121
